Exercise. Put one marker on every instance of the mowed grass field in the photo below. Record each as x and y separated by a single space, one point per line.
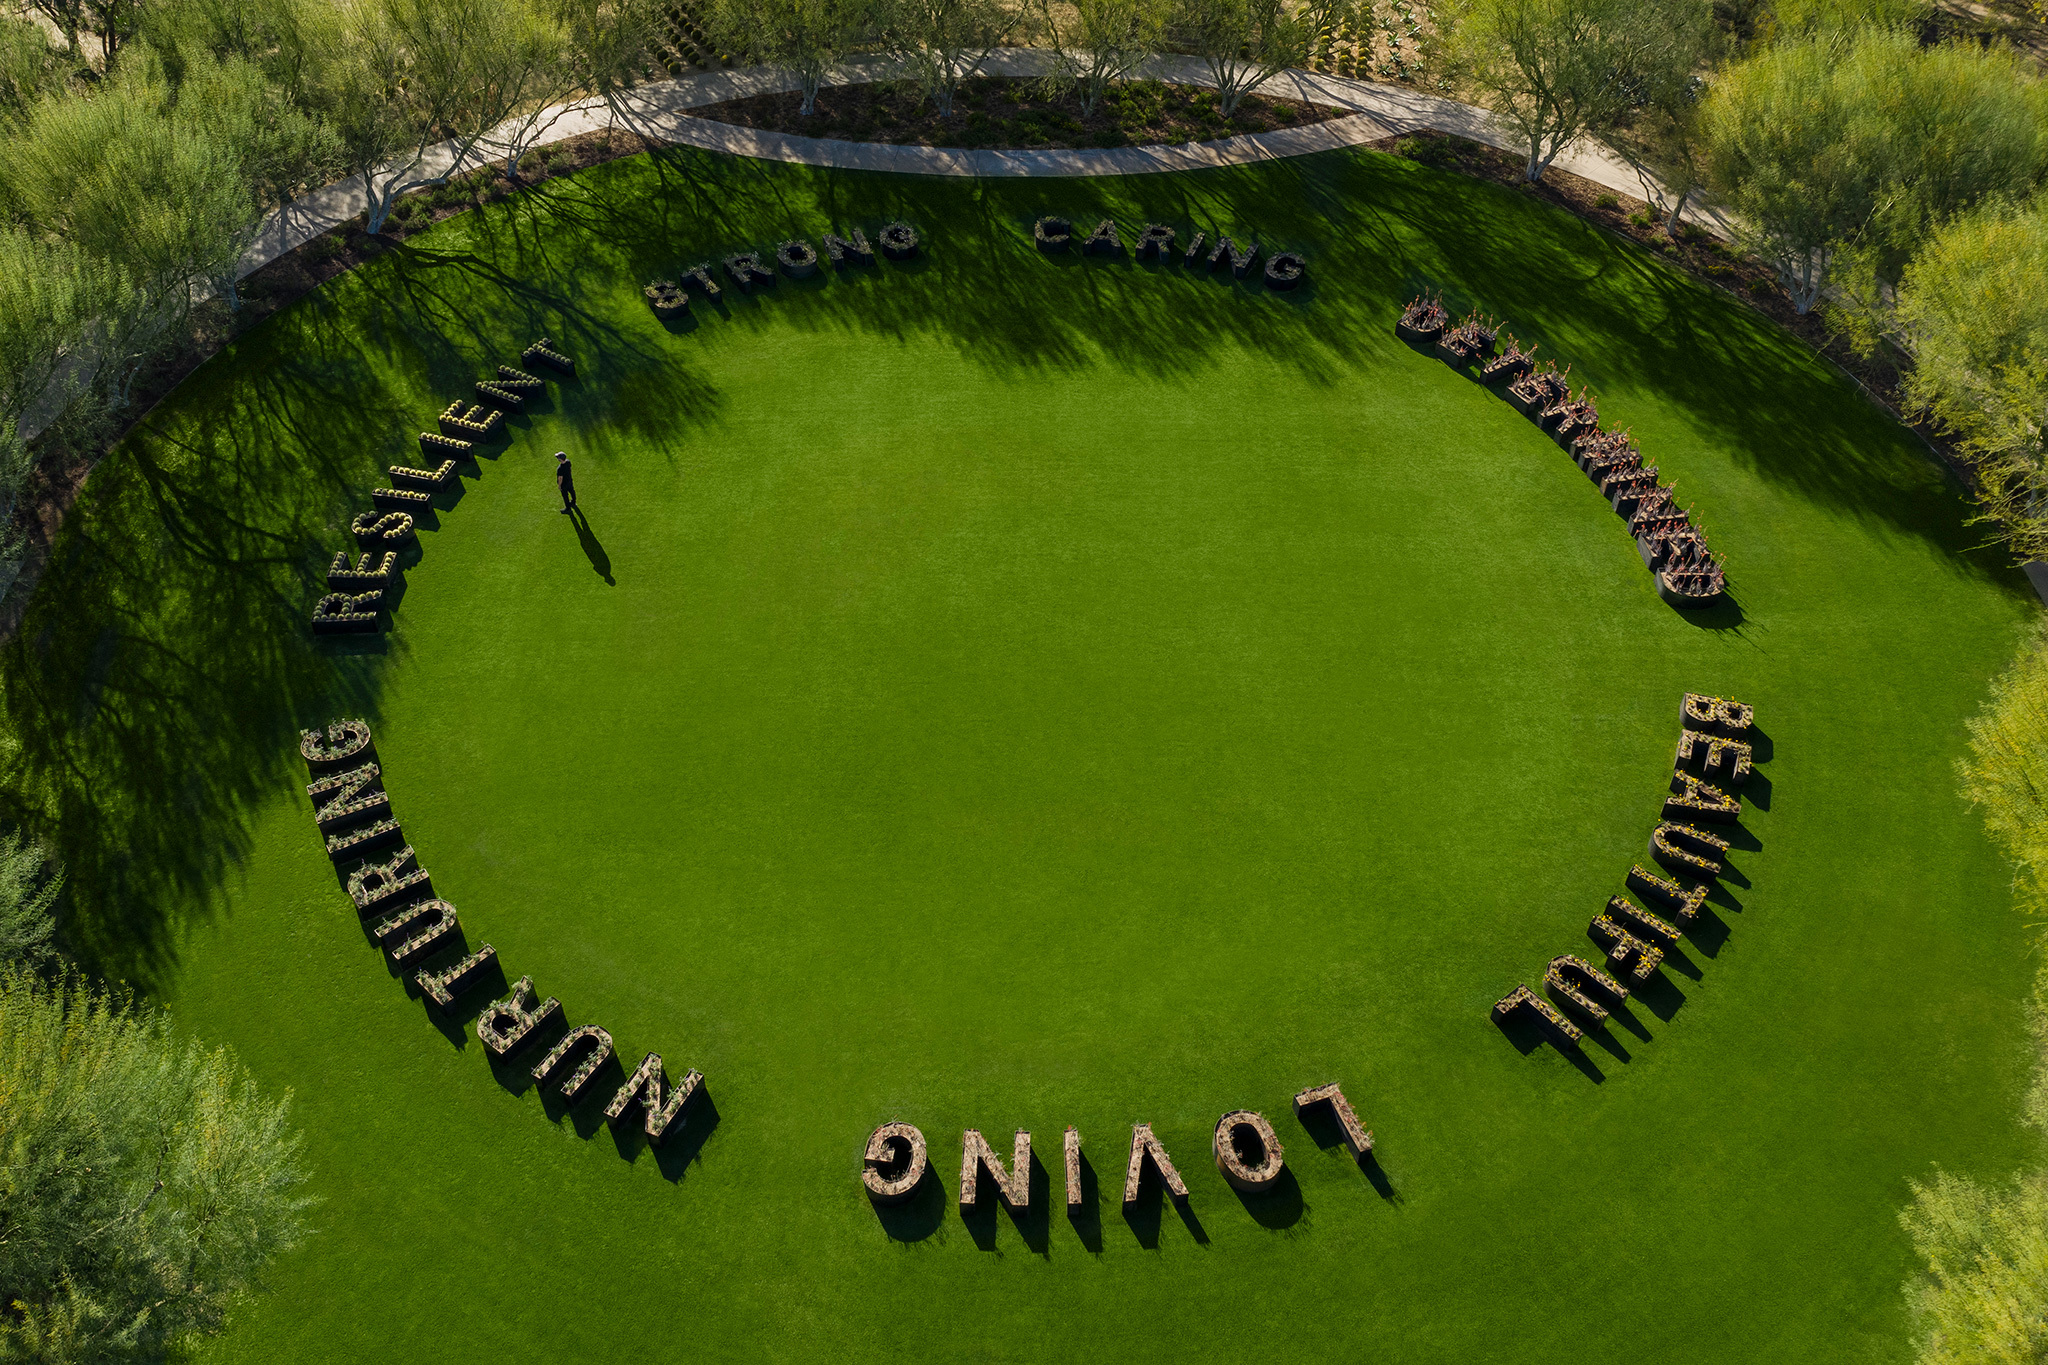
1001 691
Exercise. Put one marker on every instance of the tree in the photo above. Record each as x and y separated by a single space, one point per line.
1973 310
28 68
1984 1297
28 888
412 88
942 42
1958 124
808 37
1658 131
1097 43
1797 161
144 1181
1245 43
1553 70
612 45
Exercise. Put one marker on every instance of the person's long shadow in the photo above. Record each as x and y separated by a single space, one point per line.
592 548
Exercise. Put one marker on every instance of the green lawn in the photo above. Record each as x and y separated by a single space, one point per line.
1007 692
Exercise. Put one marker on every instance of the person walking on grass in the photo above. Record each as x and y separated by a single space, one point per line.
565 481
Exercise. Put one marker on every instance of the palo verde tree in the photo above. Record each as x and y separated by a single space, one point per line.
1795 158
1973 312
1245 43
942 42
808 37
1658 130
1097 43
144 1181
1554 70
412 89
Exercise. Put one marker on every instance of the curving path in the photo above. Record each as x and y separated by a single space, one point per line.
661 111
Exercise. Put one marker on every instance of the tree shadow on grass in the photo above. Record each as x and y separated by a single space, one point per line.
164 667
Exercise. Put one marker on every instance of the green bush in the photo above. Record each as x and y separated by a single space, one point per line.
1607 201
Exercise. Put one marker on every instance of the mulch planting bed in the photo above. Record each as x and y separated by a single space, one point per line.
1005 112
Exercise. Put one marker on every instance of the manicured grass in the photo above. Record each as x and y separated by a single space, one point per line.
1004 692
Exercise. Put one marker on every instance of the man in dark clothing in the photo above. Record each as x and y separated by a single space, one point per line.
565 481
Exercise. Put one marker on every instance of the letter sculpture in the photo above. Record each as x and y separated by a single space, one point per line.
1355 1133
883 1150
645 1085
509 1024
1258 1171
1145 1147
1013 1186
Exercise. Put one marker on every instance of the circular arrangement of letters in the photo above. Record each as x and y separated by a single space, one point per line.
421 933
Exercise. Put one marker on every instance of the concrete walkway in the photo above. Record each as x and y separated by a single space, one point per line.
661 111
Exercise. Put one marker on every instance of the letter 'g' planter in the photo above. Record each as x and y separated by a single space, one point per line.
1285 270
1248 1177
890 1143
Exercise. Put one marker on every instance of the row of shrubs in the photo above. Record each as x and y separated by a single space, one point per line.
1715 734
796 258
1053 234
395 900
1687 573
354 601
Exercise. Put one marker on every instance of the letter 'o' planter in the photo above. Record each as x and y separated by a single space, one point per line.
798 259
899 241
888 1144
1248 1175
1285 270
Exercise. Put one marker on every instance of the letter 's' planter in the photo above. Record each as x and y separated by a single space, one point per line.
1051 234
843 252
435 479
667 299
1155 243
798 259
899 241
1284 270
371 571
543 351
381 530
